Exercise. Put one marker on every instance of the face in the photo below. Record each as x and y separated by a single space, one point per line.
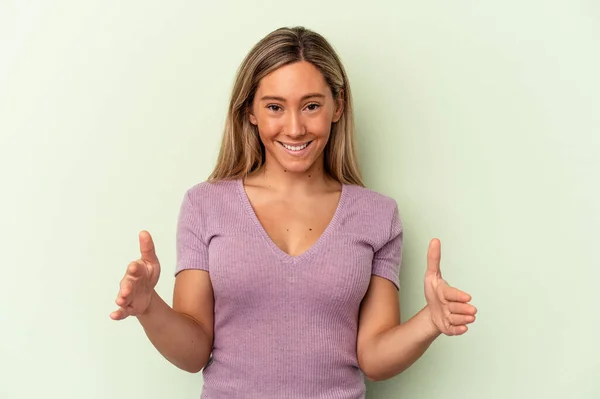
294 109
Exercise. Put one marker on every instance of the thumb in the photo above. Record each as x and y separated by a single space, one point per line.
434 255
147 248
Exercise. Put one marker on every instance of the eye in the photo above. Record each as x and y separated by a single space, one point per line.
274 107
313 106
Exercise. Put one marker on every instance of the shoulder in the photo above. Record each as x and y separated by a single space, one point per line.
211 192
210 205
372 214
370 202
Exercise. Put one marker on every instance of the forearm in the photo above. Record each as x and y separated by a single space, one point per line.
394 350
178 337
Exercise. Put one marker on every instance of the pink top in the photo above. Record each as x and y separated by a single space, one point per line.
286 327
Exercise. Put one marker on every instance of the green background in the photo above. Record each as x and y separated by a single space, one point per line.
481 118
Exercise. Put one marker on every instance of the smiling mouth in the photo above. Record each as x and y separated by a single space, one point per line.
298 147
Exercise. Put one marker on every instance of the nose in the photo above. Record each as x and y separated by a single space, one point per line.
295 125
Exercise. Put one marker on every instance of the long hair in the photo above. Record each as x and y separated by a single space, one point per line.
242 151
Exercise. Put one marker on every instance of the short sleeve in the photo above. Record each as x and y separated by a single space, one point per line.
191 248
387 259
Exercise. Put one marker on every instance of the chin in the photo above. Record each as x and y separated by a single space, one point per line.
297 167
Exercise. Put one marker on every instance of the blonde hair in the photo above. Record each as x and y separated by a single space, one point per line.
242 151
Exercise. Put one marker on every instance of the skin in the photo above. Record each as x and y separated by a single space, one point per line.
293 105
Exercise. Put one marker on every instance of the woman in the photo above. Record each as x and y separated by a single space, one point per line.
287 266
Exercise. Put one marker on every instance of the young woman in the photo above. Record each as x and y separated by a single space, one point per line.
287 268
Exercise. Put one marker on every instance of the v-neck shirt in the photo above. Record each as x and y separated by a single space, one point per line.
286 326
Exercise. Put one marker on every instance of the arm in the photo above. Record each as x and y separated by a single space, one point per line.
385 346
183 334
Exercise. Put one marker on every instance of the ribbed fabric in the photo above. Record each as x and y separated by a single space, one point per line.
286 327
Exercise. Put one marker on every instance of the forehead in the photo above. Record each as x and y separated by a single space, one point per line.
293 80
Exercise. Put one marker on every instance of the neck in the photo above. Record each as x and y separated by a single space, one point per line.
277 178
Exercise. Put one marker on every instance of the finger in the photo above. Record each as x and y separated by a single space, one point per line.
124 301
457 330
136 269
462 308
433 257
452 294
125 293
147 248
119 314
459 319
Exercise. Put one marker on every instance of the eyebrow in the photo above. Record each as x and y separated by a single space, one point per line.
305 97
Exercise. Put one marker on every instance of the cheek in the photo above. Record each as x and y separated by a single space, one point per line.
320 127
269 127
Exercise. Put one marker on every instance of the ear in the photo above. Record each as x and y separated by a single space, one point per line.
339 109
251 116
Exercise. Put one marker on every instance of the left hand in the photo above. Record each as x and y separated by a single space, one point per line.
449 307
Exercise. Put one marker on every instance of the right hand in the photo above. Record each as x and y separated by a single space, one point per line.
137 286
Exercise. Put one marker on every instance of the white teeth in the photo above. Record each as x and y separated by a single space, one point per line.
295 147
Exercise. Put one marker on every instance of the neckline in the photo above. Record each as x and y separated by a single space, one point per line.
280 253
